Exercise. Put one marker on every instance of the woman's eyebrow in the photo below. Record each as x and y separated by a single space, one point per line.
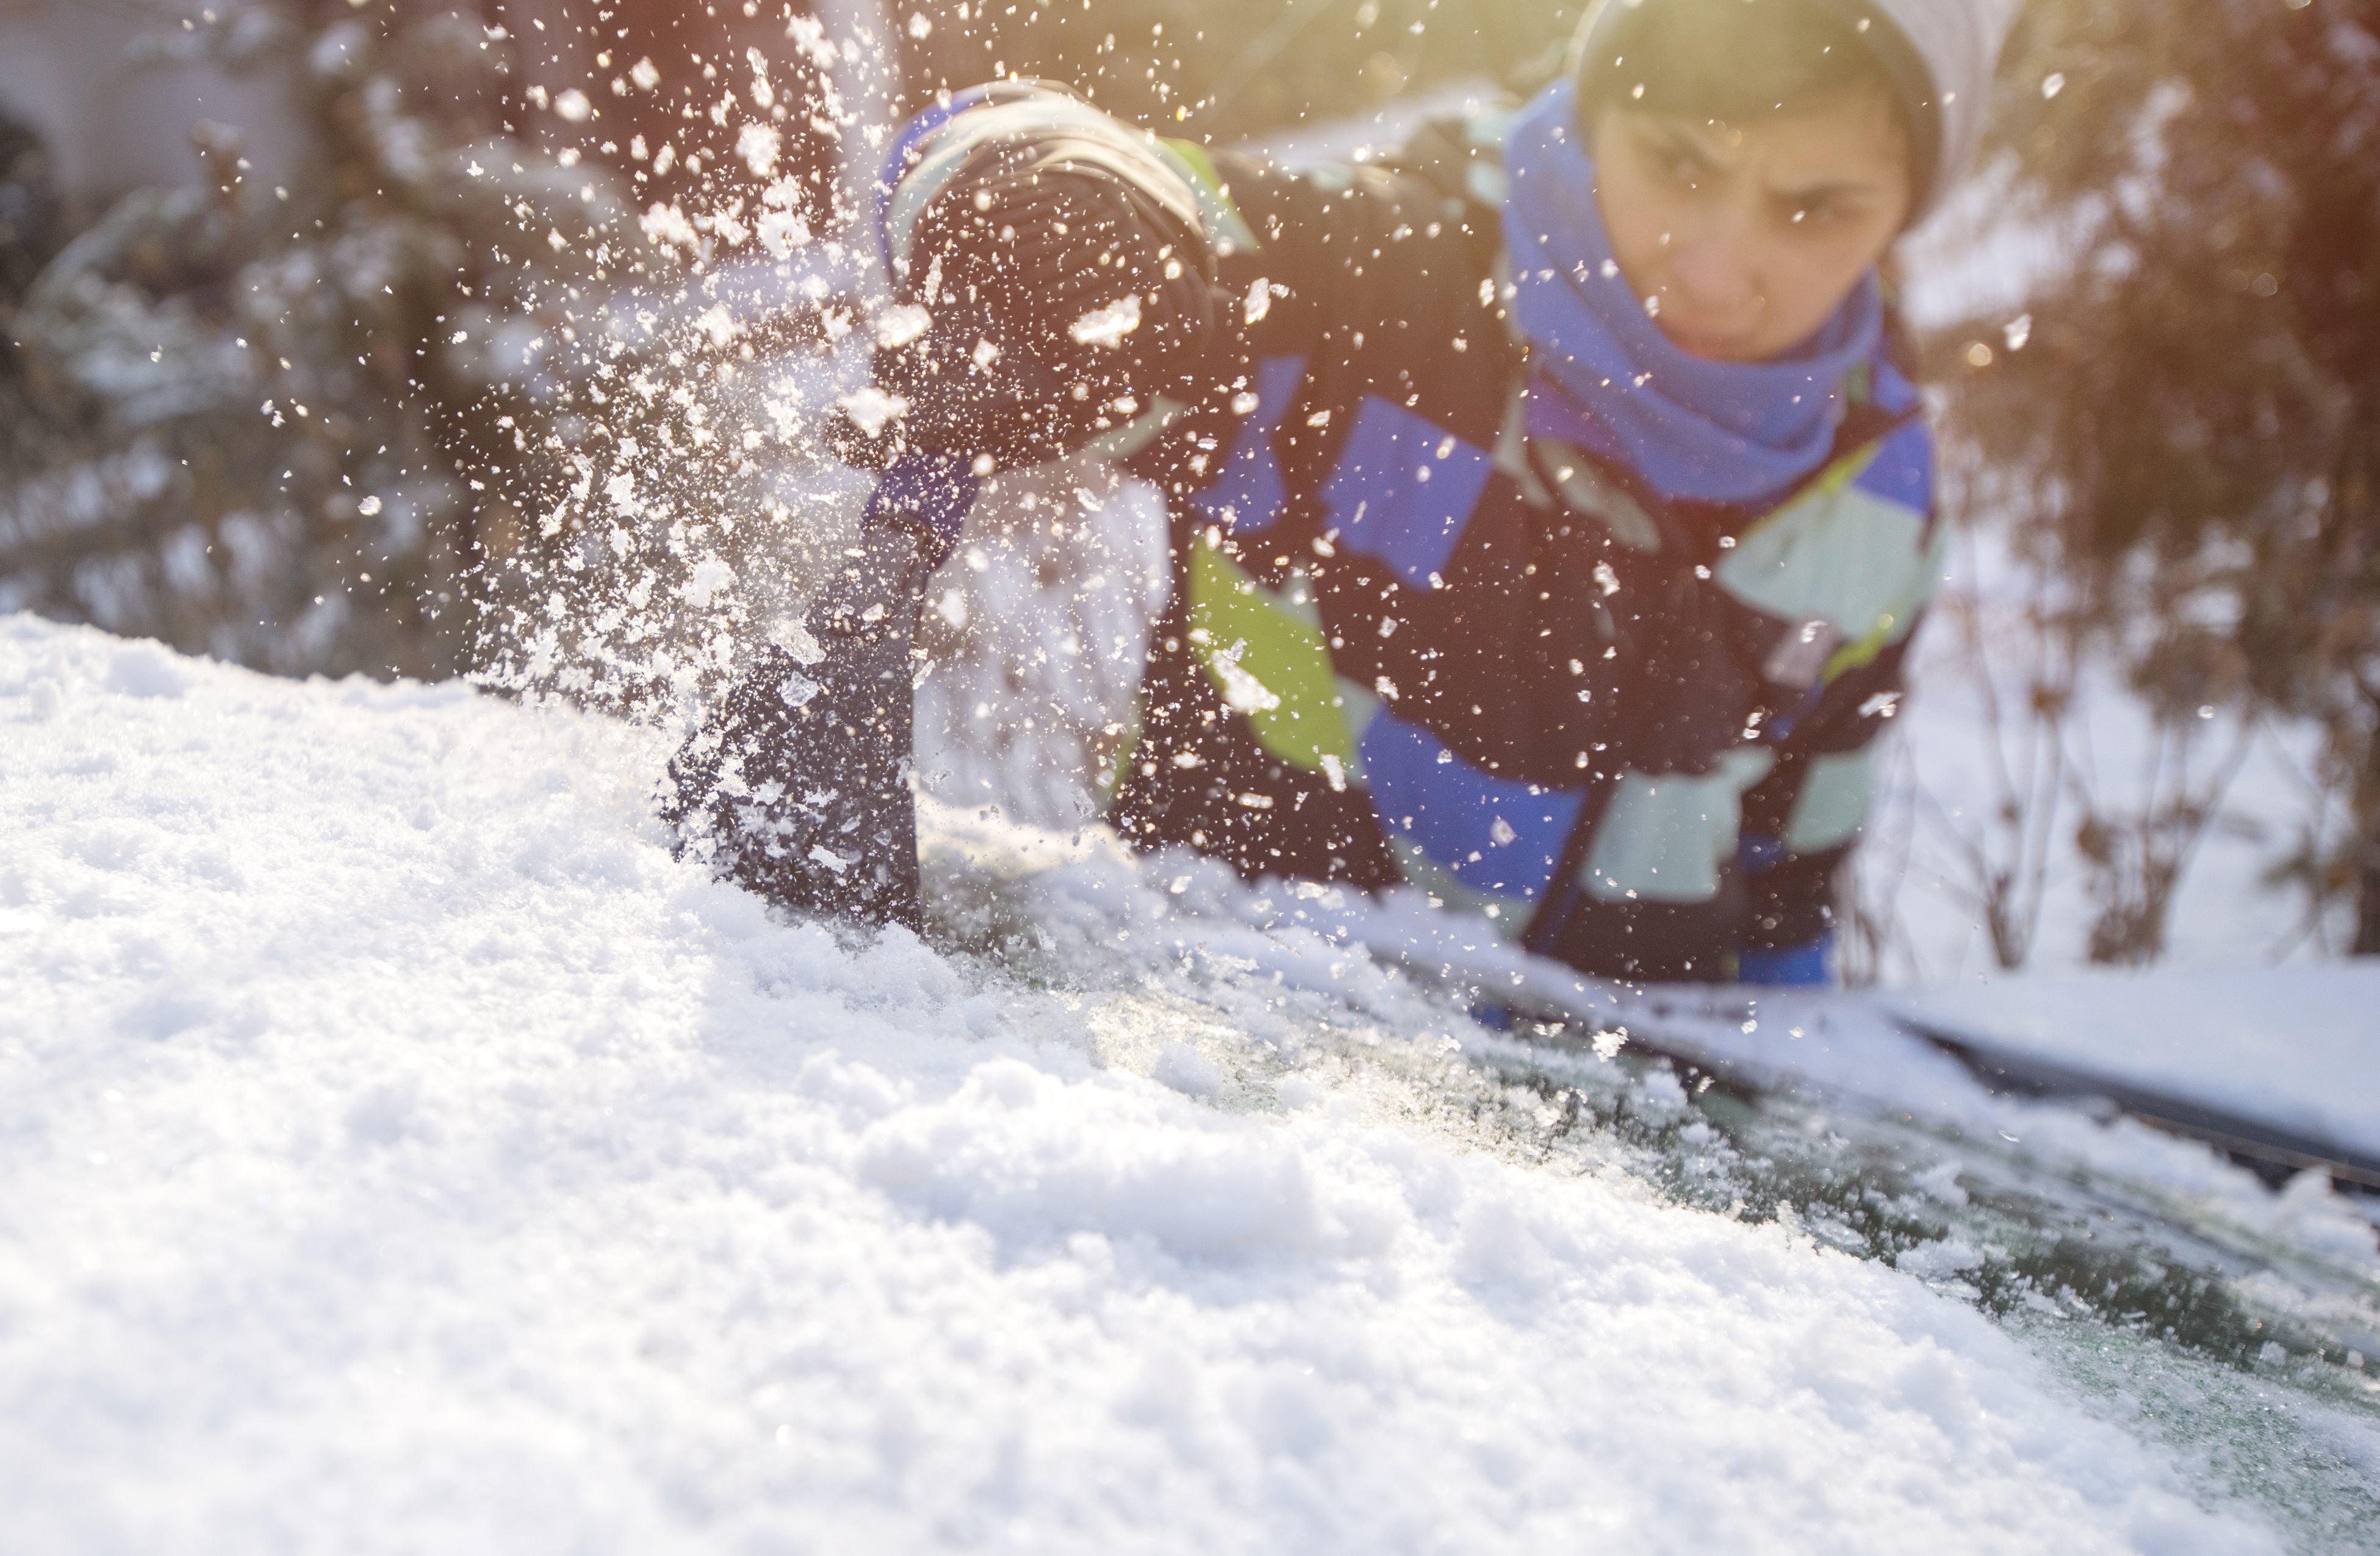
1834 189
1674 138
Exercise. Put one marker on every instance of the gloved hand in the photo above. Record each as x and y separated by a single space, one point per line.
797 786
1062 299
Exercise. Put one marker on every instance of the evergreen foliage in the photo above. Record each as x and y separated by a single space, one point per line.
282 395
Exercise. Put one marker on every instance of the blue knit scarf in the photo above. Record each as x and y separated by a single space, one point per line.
1607 380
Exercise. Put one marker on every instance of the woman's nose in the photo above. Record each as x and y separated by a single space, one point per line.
1711 264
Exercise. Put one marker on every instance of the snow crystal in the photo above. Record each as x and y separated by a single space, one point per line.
870 408
900 323
1107 326
758 146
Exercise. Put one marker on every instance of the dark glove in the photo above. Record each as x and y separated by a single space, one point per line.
1063 300
797 786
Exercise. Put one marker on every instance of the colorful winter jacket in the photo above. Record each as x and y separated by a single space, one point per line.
1409 640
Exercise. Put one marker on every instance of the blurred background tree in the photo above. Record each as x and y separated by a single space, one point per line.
34 226
266 404
2183 420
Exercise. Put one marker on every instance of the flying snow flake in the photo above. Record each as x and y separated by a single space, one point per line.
646 77
667 225
711 578
809 38
1259 301
758 145
726 223
2017 330
902 323
919 24
573 106
782 231
1108 326
1242 693
369 507
1884 705
763 94
871 408
2053 83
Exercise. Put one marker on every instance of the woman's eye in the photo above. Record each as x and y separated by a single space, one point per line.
1678 163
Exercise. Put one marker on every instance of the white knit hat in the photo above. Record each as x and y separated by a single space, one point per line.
1952 44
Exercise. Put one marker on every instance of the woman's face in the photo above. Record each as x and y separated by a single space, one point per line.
1742 240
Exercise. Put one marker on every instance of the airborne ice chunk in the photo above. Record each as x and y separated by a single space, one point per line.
1259 301
902 323
1242 692
667 225
710 578
758 146
872 407
781 232
1108 326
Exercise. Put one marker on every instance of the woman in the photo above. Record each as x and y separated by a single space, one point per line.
1550 507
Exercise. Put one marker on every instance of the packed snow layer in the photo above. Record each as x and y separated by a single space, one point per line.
2297 1047
404 1153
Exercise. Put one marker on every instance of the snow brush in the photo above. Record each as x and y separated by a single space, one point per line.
796 783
